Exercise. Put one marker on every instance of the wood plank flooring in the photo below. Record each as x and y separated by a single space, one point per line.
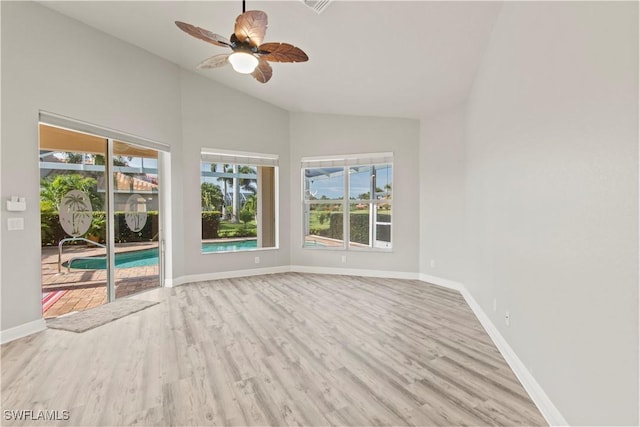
283 349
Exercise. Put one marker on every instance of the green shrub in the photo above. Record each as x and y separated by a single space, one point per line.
52 231
149 232
246 215
383 232
210 224
53 188
317 231
238 232
359 227
359 224
335 226
98 227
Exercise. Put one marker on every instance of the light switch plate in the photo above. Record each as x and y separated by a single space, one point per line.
14 224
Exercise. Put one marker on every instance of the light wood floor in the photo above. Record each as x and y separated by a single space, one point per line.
285 349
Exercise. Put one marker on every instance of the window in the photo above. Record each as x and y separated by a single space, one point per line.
238 201
347 201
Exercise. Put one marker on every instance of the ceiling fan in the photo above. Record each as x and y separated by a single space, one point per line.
249 54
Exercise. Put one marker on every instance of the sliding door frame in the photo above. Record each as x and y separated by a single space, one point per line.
111 233
111 136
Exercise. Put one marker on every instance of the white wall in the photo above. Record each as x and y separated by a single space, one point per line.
442 191
326 134
529 194
84 74
551 199
56 64
215 116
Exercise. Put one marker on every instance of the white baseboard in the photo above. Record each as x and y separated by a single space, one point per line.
445 283
354 272
171 283
537 394
22 330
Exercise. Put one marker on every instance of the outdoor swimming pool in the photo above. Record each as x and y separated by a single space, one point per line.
313 244
229 246
143 258
149 257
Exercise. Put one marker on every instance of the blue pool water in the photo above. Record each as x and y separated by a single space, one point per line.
149 257
229 246
313 244
144 258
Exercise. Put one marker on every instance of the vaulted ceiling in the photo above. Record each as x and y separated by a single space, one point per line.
381 58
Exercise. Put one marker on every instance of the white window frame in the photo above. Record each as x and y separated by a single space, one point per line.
346 162
213 155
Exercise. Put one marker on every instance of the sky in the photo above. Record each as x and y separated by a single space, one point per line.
332 187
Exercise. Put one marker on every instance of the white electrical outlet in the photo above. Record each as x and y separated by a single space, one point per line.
432 263
257 260
507 319
16 204
344 259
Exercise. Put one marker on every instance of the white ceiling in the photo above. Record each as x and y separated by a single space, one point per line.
381 58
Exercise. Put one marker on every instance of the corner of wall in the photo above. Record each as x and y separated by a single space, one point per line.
536 392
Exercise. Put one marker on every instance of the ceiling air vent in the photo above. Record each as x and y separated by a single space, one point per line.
317 5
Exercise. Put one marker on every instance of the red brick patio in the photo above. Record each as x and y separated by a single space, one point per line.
88 288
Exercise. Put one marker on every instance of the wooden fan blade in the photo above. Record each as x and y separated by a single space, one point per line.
202 34
282 52
216 61
263 71
251 27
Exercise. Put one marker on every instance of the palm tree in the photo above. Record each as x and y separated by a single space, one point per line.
247 184
226 181
210 196
54 188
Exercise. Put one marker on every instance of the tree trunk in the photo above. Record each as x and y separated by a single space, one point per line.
236 194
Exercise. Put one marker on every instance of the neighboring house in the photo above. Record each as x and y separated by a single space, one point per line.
126 185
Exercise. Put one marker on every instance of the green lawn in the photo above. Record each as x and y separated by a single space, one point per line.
231 229
315 222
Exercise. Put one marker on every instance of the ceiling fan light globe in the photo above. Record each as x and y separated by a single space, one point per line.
243 62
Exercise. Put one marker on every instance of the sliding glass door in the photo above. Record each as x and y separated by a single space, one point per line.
100 220
73 202
136 218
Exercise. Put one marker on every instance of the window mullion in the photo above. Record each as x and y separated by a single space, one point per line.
372 211
346 216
